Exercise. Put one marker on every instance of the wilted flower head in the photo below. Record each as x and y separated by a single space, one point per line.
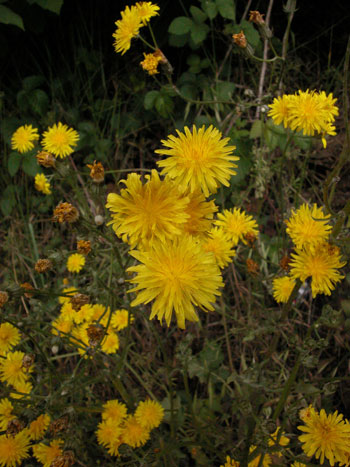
97 172
46 159
43 265
65 212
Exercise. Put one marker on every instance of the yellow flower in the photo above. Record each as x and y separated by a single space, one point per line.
230 462
38 426
220 244
146 10
115 411
61 325
22 139
127 28
151 62
321 265
237 224
120 319
200 213
326 436
298 464
75 262
9 337
308 227
256 461
6 414
280 110
68 292
178 276
149 414
276 441
47 454
282 288
23 389
11 369
144 213
134 434
108 435
110 343
42 184
198 159
60 140
14 448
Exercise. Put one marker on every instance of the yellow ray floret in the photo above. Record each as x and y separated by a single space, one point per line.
127 28
60 140
23 138
221 245
237 224
282 288
42 184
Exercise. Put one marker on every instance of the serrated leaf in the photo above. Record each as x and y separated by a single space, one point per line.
8 16
210 9
226 9
198 15
199 32
14 163
180 25
149 99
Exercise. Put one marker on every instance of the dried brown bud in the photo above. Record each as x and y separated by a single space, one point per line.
250 239
78 300
28 361
84 247
27 286
252 267
240 40
65 212
97 172
14 426
284 263
46 159
61 424
256 17
43 265
66 459
95 333
4 296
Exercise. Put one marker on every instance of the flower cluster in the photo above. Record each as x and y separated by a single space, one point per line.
170 224
314 256
118 427
308 111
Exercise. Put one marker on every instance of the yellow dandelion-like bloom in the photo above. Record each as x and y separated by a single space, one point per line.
220 244
308 227
306 413
149 414
98 311
282 288
60 140
255 462
38 426
120 319
146 10
198 159
200 213
110 343
13 449
115 411
326 436
144 213
42 184
321 265
11 369
6 414
237 224
276 441
9 337
67 311
67 292
230 462
22 388
80 338
151 62
280 110
127 28
23 138
75 262
62 325
298 464
84 314
178 276
134 434
47 454
109 435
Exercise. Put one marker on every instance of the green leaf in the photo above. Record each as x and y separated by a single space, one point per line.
210 9
199 32
150 98
30 165
251 33
51 5
39 102
226 9
180 25
8 16
32 82
178 41
256 129
14 163
198 15
6 205
225 89
164 105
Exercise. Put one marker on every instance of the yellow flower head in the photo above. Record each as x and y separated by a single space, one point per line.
151 62
230 462
6 414
298 464
11 369
114 411
75 262
326 436
142 214
237 224
134 434
47 454
60 140
280 110
42 184
13 449
120 319
109 435
22 388
22 139
38 426
256 461
68 292
308 227
146 10
321 265
200 213
198 159
149 414
9 337
277 441
282 288
110 343
61 325
127 28
178 276
220 244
